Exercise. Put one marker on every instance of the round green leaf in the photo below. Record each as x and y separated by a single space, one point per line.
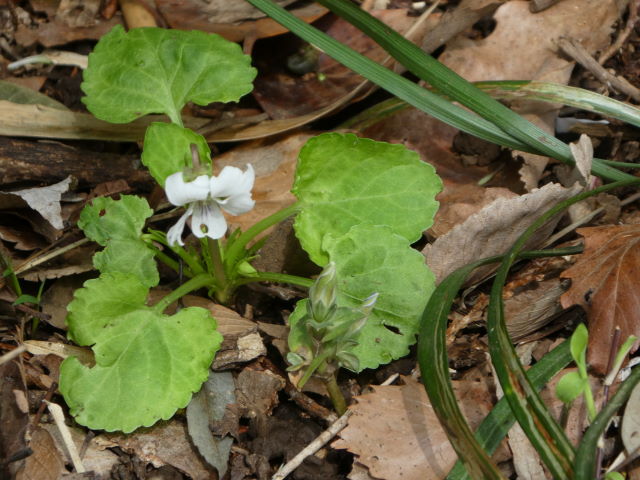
105 218
117 224
128 256
155 70
100 302
167 149
373 259
342 181
570 386
147 366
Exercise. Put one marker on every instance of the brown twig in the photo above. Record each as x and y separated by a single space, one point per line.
634 6
313 447
47 398
576 51
309 405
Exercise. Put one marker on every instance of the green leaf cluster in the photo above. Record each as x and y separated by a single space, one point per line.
362 204
117 226
147 364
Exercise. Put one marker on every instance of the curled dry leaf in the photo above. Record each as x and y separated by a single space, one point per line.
493 230
45 201
407 441
604 281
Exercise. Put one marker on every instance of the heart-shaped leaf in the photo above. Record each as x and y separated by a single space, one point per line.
147 364
155 70
342 181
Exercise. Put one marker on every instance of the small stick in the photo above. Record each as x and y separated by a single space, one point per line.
588 217
576 51
313 447
65 433
47 398
624 35
12 354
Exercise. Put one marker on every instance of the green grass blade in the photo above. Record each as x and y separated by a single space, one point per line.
521 90
542 430
497 424
585 464
563 94
399 86
454 86
434 365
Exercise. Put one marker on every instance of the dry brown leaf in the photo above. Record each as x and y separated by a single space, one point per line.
493 230
604 281
283 94
56 32
46 462
396 434
257 391
193 15
63 350
13 423
44 200
95 458
164 444
519 30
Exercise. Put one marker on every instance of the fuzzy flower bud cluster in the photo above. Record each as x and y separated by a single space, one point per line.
331 331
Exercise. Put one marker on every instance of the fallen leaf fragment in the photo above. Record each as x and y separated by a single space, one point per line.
164 444
44 200
630 432
45 463
396 434
493 230
605 283
206 407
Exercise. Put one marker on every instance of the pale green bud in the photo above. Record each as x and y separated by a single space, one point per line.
323 294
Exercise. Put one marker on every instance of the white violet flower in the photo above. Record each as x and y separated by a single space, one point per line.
205 196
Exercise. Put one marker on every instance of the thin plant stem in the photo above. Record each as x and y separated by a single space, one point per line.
222 293
339 403
206 255
235 249
195 283
186 257
170 262
216 260
276 277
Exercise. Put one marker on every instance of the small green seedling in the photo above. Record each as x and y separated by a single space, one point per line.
574 384
360 205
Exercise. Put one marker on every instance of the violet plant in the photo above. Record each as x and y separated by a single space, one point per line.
361 204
